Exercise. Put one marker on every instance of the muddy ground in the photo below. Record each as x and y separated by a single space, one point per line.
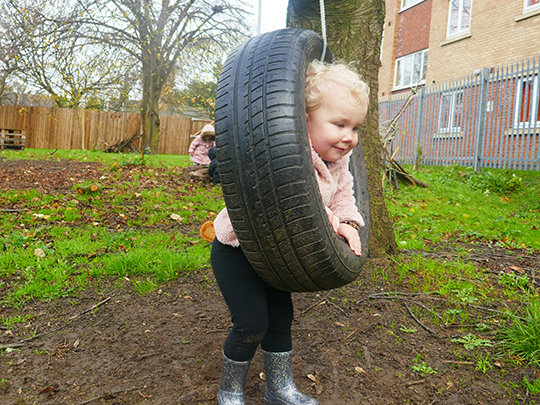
111 345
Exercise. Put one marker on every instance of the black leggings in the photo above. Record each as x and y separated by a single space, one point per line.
261 314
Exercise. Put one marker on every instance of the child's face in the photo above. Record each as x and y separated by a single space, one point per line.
333 127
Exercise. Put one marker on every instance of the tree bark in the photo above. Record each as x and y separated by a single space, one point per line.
354 33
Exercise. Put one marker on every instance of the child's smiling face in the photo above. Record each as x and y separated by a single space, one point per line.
333 127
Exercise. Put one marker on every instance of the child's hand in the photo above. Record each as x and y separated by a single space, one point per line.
333 219
351 235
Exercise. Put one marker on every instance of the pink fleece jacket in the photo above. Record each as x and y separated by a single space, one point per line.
336 187
199 150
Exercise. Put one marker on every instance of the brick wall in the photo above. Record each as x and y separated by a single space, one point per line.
404 33
413 29
498 34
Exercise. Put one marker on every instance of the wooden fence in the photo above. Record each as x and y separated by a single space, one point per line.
64 128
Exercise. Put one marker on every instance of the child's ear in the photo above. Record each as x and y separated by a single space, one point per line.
307 117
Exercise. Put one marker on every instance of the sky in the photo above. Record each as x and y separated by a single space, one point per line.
274 13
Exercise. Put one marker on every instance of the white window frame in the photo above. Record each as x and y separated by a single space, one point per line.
456 100
382 43
407 61
405 4
459 30
527 6
534 102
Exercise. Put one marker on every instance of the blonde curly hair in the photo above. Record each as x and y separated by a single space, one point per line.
321 79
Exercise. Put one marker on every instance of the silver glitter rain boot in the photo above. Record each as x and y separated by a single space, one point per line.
233 380
280 387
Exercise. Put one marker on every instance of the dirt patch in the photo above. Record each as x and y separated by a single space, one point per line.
353 345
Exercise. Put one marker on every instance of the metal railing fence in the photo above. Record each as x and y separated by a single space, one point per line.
490 118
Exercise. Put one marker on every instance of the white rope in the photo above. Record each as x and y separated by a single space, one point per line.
323 28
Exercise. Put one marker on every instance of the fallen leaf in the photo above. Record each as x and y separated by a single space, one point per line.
39 252
76 343
176 217
262 376
313 378
516 268
341 325
360 370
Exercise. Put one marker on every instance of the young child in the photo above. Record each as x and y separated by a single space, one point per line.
336 105
198 150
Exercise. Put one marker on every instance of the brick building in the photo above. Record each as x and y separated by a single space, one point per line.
448 39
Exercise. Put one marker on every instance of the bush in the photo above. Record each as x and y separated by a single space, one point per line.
499 182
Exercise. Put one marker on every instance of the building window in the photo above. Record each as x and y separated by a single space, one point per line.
409 3
410 69
459 17
530 5
527 110
451 112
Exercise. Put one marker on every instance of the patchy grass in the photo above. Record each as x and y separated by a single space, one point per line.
499 207
142 226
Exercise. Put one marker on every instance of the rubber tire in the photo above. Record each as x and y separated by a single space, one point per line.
267 176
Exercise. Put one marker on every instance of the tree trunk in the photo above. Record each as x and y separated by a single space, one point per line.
354 31
150 106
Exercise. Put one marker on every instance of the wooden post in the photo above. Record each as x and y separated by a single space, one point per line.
81 127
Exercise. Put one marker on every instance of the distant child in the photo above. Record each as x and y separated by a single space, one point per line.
336 105
213 170
198 150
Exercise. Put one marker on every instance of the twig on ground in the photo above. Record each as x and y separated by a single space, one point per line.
323 301
107 394
410 384
91 309
11 346
431 297
476 306
458 362
374 296
418 321
349 335
338 307
67 323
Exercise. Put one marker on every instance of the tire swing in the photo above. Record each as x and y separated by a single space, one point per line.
267 176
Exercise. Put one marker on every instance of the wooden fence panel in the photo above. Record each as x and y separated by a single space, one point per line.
175 134
13 117
64 128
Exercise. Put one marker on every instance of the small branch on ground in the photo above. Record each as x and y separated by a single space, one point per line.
11 346
418 321
91 309
410 384
321 302
108 395
458 362
67 323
